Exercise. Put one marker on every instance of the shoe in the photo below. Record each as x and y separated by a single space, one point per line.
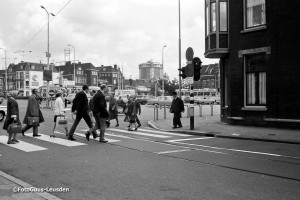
52 136
103 141
11 142
136 128
95 136
117 125
180 127
87 136
130 129
71 138
36 135
128 126
174 127
139 126
15 140
23 133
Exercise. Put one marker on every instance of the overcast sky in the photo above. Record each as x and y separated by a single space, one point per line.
103 32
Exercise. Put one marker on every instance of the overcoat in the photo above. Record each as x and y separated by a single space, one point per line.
12 109
33 110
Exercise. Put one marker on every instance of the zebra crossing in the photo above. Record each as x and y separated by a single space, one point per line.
113 135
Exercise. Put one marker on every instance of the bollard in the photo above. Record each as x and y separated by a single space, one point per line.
200 109
165 115
212 109
156 112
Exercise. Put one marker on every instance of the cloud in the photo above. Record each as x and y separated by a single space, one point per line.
104 32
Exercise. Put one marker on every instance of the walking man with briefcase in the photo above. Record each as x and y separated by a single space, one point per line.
12 122
33 116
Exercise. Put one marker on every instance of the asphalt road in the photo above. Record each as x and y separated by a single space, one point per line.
150 164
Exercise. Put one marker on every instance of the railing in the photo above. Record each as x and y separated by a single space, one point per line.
156 109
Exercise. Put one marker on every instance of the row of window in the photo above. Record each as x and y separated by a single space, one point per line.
254 15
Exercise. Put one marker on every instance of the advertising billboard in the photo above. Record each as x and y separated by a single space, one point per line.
35 79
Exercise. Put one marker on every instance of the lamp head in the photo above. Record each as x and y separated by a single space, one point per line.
43 7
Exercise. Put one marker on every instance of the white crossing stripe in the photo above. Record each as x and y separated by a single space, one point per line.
91 138
174 151
23 146
166 133
59 141
139 133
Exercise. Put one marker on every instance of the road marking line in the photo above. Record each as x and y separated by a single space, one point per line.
97 139
166 133
23 146
140 133
174 151
201 138
59 141
236 150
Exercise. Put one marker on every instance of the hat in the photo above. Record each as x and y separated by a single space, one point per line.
174 93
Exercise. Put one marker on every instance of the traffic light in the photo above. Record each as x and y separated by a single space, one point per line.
183 75
197 67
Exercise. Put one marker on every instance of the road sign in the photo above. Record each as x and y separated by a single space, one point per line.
189 54
189 80
51 93
189 70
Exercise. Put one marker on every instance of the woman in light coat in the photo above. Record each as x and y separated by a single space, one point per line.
12 116
59 111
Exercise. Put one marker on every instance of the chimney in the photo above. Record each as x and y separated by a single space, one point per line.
115 67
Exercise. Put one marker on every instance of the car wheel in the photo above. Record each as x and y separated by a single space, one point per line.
2 115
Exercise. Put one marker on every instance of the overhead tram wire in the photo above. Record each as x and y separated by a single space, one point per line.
44 26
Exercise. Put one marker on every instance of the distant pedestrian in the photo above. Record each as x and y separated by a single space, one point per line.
113 109
12 117
80 107
59 112
177 107
134 108
121 103
101 114
33 111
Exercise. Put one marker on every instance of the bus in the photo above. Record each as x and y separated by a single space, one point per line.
201 96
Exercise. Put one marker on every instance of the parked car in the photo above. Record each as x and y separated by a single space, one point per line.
142 99
70 98
161 100
1 99
204 100
3 111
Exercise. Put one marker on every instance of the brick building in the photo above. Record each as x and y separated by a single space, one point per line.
258 47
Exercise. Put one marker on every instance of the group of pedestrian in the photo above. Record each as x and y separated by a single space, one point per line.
32 119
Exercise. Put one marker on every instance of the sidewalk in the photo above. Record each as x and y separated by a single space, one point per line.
8 184
211 126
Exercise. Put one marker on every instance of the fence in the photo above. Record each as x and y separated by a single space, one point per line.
199 110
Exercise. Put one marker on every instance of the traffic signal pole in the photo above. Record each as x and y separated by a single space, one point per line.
192 108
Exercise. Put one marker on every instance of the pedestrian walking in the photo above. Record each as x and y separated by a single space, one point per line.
11 117
33 116
101 114
80 107
177 107
134 108
59 111
113 109
121 103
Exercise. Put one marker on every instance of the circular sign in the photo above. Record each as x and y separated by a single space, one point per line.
189 54
51 93
35 77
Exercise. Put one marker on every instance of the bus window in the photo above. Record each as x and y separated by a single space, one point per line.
206 93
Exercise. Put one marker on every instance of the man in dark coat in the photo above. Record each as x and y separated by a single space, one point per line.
177 107
80 107
100 113
33 110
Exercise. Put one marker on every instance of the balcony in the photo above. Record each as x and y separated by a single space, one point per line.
216 26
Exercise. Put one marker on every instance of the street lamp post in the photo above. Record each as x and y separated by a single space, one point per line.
179 41
163 80
74 62
48 53
5 73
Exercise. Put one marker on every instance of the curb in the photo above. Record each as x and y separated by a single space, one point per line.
44 195
151 124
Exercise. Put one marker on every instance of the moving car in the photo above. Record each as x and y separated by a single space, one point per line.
70 98
142 99
3 111
161 100
204 100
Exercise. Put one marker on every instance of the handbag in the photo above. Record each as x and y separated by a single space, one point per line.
33 121
14 128
61 122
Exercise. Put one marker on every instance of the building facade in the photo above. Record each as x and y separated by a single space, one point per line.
150 71
258 47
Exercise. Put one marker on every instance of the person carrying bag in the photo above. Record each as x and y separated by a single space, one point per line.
60 120
12 122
